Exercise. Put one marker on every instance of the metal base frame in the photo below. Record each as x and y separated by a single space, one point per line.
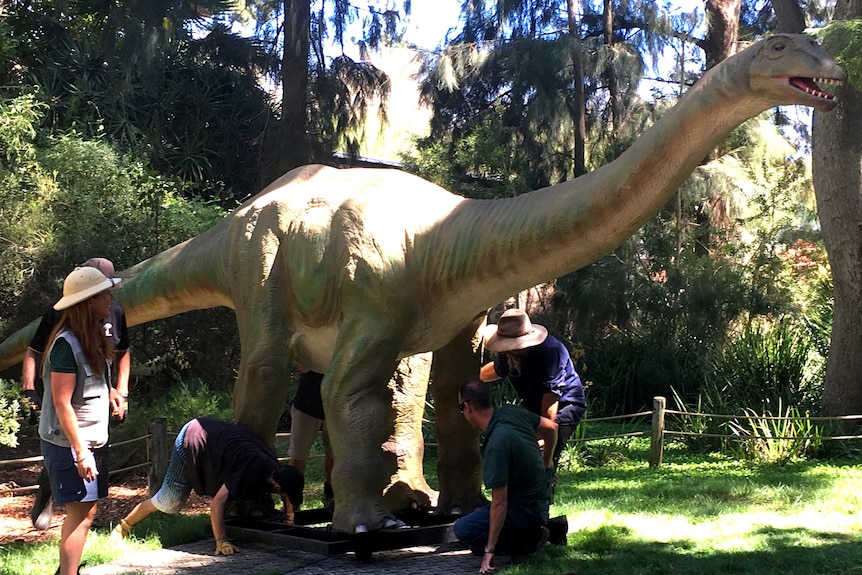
312 532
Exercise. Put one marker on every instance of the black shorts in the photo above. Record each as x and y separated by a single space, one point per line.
66 485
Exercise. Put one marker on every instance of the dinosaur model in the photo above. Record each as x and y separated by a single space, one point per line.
348 271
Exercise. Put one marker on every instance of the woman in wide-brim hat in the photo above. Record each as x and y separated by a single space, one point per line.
540 369
76 407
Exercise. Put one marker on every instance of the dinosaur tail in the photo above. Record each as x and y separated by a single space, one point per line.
188 276
12 349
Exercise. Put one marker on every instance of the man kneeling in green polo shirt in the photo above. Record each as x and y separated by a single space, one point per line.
516 470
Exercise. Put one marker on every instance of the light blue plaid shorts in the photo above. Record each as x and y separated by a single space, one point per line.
175 489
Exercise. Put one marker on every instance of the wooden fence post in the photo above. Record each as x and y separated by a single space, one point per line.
657 437
157 449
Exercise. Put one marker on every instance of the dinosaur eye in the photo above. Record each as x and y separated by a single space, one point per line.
776 49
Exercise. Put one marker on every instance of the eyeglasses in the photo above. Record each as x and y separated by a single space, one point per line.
462 404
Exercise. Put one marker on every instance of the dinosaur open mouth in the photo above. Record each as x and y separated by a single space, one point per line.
809 85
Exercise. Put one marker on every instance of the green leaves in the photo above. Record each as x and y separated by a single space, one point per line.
843 39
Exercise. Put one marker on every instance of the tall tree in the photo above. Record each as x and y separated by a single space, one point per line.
293 144
722 17
323 103
579 104
837 169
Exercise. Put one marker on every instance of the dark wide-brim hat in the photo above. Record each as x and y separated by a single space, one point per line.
513 331
291 482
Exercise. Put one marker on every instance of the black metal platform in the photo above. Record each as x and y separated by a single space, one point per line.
312 532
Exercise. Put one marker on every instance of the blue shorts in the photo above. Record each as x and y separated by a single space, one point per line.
66 485
175 489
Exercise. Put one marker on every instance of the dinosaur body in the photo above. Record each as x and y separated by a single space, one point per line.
348 272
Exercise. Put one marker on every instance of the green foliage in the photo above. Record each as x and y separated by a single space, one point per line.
818 315
10 409
696 424
64 199
628 369
770 440
179 405
765 366
191 105
26 197
843 39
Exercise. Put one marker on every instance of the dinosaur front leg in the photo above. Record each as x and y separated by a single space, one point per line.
360 420
408 488
263 381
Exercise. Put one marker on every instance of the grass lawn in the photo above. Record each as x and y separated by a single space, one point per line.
707 514
696 514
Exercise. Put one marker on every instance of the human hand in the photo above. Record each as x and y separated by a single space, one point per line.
119 405
487 564
33 398
225 547
87 469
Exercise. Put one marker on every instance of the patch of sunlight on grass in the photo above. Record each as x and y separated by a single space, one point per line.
746 532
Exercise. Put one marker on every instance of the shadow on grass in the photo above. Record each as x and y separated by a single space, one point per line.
613 550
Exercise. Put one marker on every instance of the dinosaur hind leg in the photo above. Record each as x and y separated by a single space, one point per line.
360 420
408 488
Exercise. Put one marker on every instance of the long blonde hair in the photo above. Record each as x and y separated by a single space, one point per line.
87 327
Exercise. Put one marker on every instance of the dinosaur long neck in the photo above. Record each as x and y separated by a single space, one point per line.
503 246
186 277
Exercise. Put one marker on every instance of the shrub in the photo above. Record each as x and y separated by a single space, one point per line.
775 440
764 367
10 408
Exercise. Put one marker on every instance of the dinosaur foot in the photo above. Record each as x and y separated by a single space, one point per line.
461 504
407 496
388 524
354 517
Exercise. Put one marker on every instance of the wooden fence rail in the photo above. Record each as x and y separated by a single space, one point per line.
159 447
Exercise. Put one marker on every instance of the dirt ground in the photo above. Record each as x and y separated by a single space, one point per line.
124 493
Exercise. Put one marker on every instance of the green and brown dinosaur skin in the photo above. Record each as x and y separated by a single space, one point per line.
350 271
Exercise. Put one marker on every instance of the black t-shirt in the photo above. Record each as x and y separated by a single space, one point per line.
307 398
223 453
114 324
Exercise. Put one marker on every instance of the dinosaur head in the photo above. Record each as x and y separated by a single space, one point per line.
788 69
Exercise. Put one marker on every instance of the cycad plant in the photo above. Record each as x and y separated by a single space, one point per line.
771 439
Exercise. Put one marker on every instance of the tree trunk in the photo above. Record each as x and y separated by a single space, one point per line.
722 18
789 15
836 165
579 109
614 97
291 149
722 35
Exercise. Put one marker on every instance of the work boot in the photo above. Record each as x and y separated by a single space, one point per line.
43 507
558 528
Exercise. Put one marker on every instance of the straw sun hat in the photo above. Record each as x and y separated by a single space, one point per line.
83 283
513 331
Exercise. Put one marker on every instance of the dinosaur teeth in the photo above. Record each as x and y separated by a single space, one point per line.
810 86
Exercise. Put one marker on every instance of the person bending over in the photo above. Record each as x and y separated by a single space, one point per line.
222 460
540 369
